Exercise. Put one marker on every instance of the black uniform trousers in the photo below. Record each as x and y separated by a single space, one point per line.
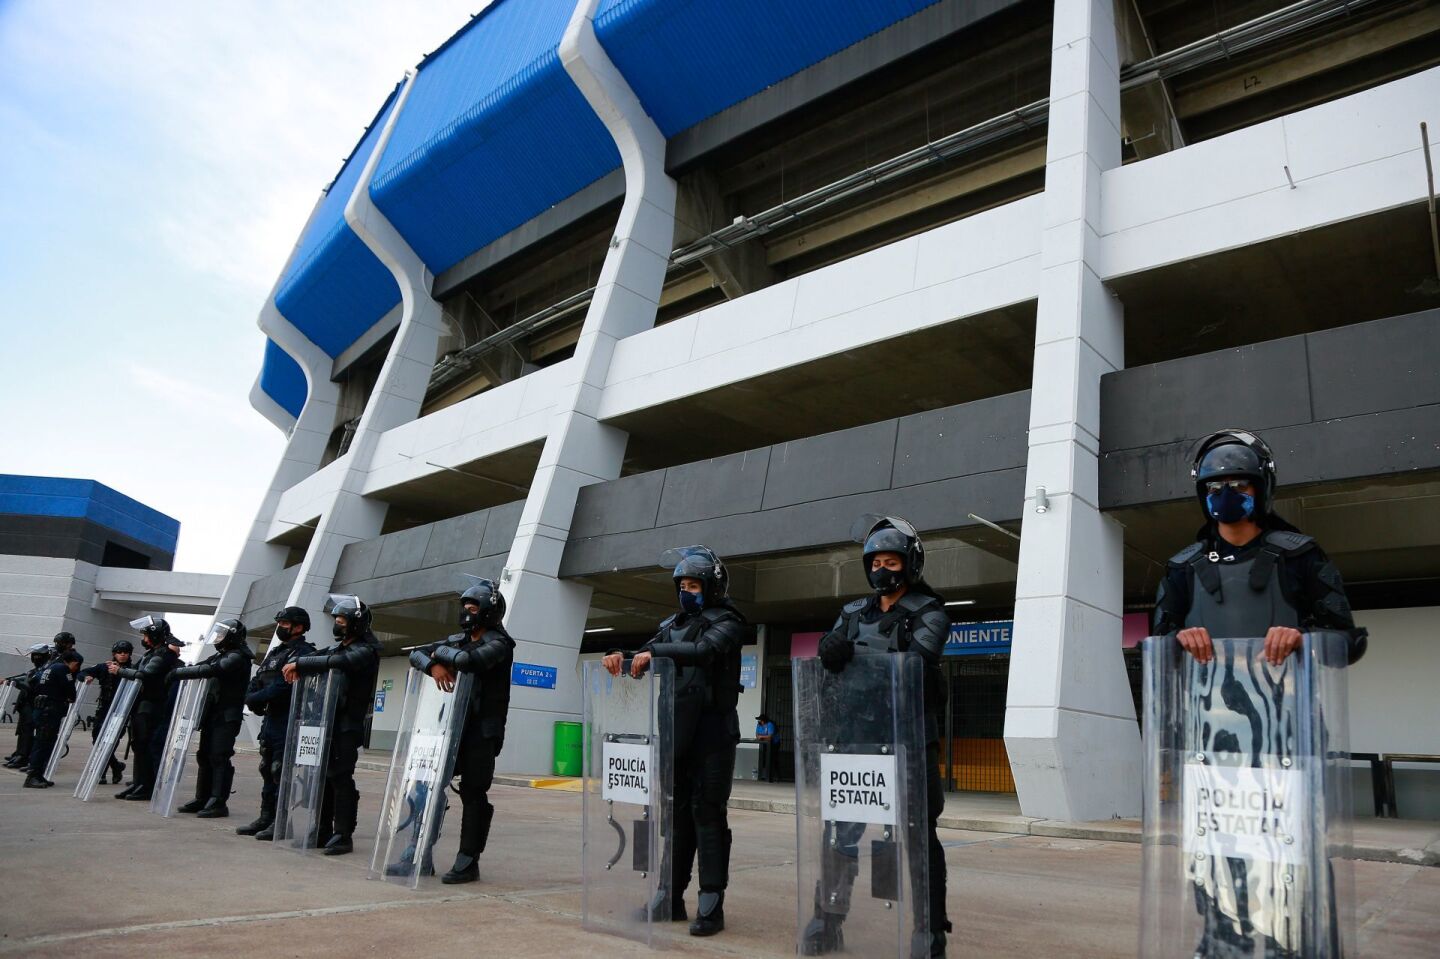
49 714
214 772
24 730
271 755
475 765
934 805
145 727
704 771
339 806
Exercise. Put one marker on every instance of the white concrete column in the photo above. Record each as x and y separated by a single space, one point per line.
398 394
1070 726
547 614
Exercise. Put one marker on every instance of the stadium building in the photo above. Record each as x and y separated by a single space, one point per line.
608 276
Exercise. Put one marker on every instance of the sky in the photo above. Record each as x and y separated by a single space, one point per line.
157 162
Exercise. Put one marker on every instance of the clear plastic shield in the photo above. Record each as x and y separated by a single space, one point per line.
1247 802
422 763
302 771
189 705
84 703
860 826
627 795
7 694
109 739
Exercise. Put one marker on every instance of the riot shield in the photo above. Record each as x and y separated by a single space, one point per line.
626 799
1247 802
860 807
302 771
109 739
7 693
189 706
422 763
85 698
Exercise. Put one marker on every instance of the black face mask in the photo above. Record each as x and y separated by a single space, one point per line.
471 621
283 633
338 631
886 581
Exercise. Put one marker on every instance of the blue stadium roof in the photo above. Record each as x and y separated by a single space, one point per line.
689 59
494 132
282 379
335 289
87 499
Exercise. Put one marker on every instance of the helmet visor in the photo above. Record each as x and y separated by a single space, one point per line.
869 523
342 604
219 632
145 622
676 555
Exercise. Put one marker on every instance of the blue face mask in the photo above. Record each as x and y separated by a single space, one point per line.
1229 505
691 602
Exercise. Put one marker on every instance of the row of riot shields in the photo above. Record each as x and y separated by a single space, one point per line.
1247 802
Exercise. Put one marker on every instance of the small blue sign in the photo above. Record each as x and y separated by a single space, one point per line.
527 674
379 700
969 639
749 666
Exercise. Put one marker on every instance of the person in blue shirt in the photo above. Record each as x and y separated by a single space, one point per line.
769 739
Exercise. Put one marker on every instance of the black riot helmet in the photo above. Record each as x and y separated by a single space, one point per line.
890 534
698 562
485 594
356 613
294 614
227 634
1234 454
40 654
155 630
123 646
64 641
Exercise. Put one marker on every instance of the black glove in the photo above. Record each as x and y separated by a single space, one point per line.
835 652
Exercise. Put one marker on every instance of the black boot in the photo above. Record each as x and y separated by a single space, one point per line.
258 825
138 793
709 914
214 809
194 805
339 845
822 935
267 834
117 769
125 793
664 908
466 869
36 781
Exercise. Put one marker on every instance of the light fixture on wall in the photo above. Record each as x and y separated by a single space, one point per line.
961 602
600 629
1042 502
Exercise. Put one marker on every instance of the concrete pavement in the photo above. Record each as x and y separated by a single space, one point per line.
109 879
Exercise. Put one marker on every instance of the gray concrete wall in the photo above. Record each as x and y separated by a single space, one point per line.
933 468
1347 403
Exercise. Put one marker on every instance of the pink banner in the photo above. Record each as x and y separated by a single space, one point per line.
803 645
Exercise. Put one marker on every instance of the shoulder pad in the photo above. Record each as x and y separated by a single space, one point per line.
716 614
1187 554
669 621
855 606
918 602
1287 542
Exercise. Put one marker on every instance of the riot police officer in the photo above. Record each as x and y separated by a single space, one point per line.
120 653
1249 574
484 649
52 692
357 656
151 717
220 718
268 695
903 615
64 641
24 713
703 640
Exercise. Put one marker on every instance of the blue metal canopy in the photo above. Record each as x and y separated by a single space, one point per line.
283 380
87 499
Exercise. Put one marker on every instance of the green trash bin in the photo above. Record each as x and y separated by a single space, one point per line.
569 748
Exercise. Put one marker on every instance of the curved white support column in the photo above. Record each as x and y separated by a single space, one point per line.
548 614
